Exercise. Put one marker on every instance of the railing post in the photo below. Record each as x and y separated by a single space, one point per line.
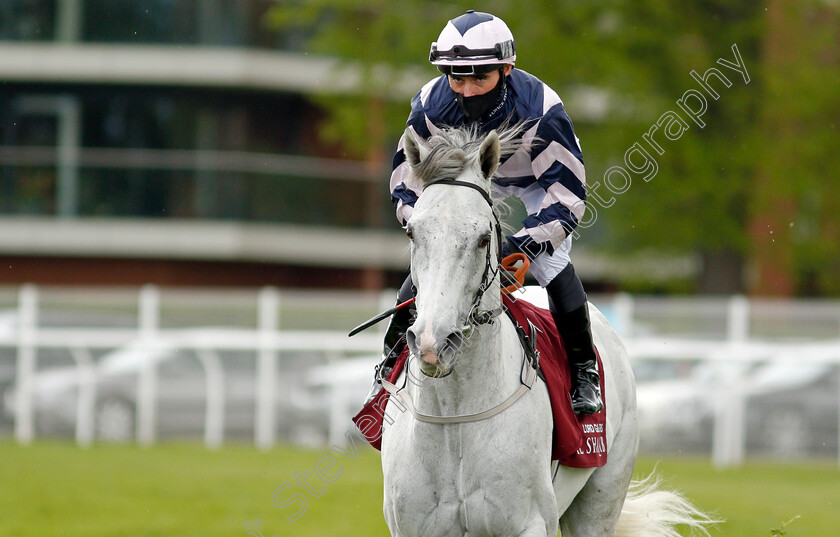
26 362
149 313
338 404
623 308
86 401
738 319
269 303
729 433
214 412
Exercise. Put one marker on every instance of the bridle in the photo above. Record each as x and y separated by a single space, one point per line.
530 362
476 315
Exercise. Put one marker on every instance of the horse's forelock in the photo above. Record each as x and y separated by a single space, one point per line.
451 149
443 162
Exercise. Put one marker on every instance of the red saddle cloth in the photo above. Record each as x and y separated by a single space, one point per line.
579 441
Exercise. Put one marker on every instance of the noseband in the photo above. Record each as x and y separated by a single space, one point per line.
477 316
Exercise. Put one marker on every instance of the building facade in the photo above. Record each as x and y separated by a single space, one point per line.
176 142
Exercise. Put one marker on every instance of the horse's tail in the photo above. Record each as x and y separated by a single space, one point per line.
650 511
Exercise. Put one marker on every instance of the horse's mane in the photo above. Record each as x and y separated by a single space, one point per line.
451 148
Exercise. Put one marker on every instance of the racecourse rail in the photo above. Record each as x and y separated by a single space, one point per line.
731 333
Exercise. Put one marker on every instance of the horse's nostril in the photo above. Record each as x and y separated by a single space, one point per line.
455 340
410 339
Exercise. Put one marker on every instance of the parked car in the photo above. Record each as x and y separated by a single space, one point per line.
791 409
337 389
8 331
180 394
675 403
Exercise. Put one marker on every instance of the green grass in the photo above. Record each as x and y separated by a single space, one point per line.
57 489
757 498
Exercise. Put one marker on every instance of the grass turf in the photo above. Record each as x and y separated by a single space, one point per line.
57 489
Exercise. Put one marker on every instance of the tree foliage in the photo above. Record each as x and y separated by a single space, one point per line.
767 147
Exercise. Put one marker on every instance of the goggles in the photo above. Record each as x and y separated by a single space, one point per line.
459 52
469 70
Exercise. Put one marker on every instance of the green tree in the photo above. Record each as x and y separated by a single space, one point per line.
768 147
795 226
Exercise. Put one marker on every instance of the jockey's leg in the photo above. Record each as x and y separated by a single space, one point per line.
567 302
394 342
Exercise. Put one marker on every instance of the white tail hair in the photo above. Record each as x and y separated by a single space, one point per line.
650 511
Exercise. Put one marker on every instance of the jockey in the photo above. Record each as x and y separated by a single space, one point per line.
480 87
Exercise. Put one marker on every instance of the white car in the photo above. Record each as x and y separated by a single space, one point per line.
790 409
675 402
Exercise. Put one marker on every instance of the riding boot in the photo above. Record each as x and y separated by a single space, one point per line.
394 341
583 364
567 302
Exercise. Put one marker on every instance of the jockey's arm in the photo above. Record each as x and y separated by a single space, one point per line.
402 196
556 207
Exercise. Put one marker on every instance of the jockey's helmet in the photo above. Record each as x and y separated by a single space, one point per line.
472 44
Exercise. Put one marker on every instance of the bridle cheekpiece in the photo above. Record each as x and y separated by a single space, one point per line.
478 316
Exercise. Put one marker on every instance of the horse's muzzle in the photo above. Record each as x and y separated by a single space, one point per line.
437 355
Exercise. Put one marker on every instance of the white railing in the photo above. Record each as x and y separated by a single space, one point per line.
730 345
265 341
733 353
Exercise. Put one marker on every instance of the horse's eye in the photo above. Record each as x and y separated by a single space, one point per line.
484 242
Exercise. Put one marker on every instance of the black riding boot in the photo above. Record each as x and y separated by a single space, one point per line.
394 341
586 382
567 302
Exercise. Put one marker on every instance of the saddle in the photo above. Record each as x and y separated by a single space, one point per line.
578 441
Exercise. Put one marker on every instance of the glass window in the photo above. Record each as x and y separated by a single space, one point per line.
182 153
199 22
234 23
27 20
29 188
144 21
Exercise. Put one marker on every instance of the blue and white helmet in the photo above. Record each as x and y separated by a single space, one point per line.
473 43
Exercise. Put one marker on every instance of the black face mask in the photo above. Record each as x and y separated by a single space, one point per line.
476 106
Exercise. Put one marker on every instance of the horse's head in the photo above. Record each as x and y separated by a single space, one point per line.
453 241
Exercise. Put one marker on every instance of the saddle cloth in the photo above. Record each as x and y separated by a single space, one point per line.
578 441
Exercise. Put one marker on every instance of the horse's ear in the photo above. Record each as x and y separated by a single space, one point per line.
415 152
489 154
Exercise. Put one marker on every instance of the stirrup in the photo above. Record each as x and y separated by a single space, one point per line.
381 371
393 345
374 390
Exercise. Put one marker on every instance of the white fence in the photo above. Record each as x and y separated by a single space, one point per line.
27 336
734 333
